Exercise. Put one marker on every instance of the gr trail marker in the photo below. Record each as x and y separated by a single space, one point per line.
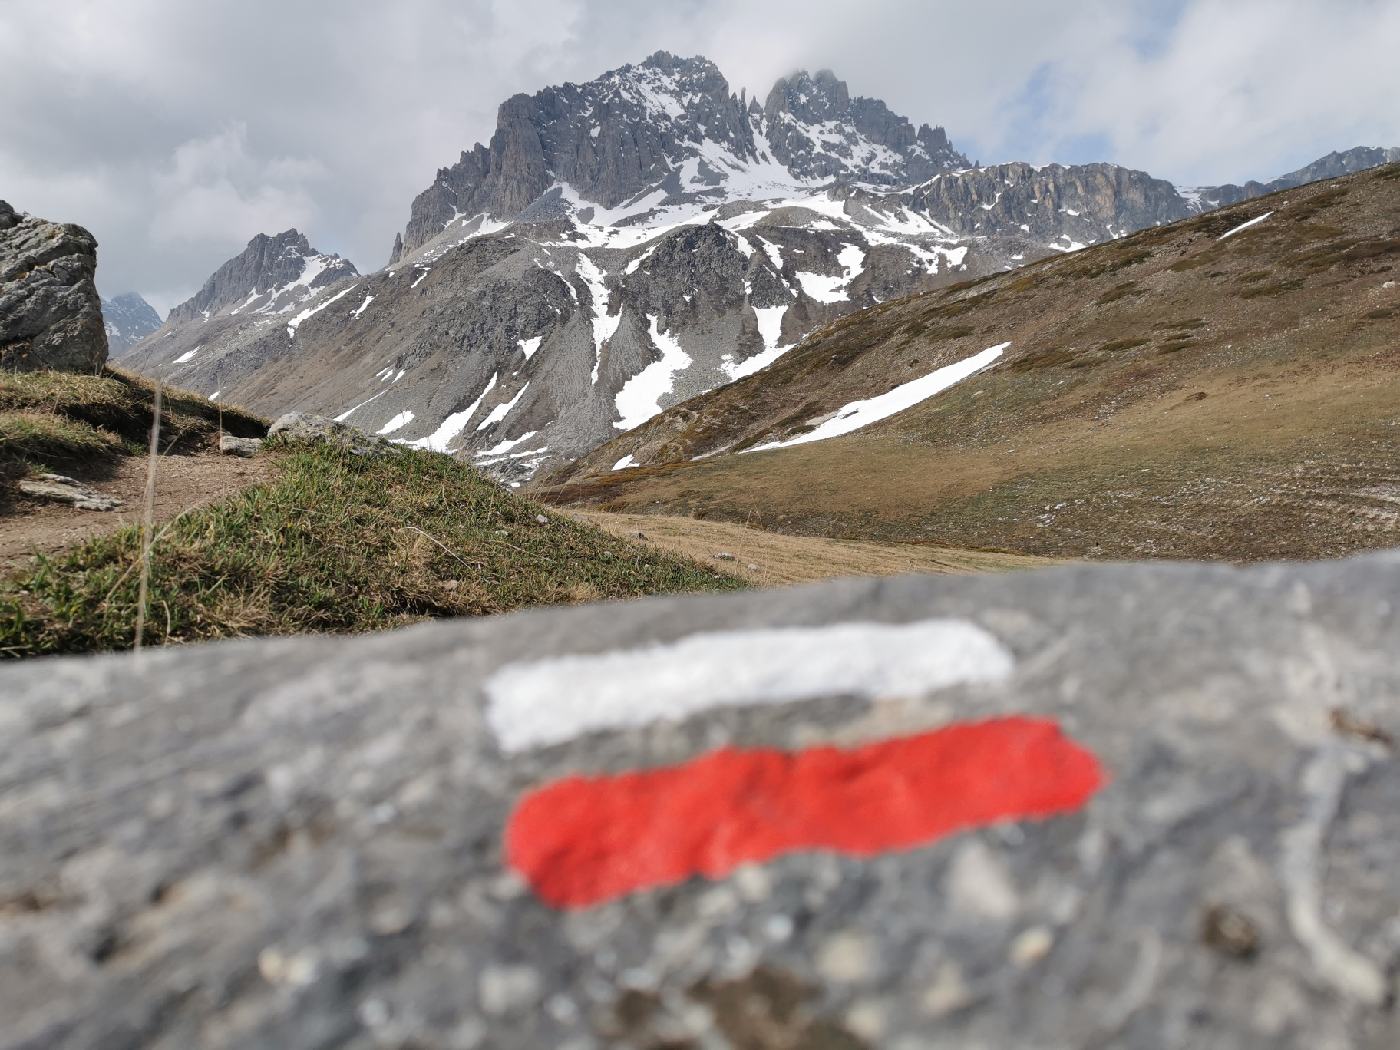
581 841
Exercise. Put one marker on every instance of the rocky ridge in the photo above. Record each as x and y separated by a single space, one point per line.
1332 166
50 312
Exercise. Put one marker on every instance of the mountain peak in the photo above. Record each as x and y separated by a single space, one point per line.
811 99
665 60
272 272
128 319
667 129
818 131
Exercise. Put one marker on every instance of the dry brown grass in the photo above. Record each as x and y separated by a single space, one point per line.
772 559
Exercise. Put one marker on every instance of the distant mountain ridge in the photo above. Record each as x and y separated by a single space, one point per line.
1332 166
622 245
128 319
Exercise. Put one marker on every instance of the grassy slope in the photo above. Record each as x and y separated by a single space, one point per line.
336 543
80 423
1170 394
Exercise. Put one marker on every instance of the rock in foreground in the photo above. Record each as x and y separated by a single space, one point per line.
58 488
50 312
299 428
1136 806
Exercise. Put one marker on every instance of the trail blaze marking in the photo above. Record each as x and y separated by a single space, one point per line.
549 701
582 840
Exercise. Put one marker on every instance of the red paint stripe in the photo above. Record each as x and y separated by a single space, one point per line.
583 840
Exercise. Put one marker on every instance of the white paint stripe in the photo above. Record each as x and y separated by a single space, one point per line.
549 701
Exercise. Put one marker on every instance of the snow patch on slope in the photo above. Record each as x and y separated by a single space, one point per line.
860 414
453 425
604 324
640 397
1245 225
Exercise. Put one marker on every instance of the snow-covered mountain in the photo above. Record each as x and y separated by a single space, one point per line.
128 319
274 276
620 246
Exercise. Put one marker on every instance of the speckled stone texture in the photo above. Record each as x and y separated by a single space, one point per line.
298 843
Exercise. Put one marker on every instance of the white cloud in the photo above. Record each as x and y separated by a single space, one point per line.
178 130
216 192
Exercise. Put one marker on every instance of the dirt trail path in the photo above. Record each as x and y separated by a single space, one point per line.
773 559
30 527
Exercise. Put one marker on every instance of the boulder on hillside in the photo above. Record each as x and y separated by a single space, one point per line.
50 312
300 428
1131 806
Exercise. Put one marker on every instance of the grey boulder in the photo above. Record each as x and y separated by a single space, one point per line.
304 842
299 428
239 446
50 312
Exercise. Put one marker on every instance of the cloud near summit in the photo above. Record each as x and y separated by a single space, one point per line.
177 131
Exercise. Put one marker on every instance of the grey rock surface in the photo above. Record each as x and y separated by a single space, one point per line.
299 428
610 138
1058 205
239 446
299 842
817 130
56 488
50 312
269 276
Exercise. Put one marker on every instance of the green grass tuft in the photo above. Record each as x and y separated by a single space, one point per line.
337 543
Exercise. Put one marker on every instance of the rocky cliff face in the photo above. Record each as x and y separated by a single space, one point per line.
128 319
608 139
50 312
622 245
1056 206
272 275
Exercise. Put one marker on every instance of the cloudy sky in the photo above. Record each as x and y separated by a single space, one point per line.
176 130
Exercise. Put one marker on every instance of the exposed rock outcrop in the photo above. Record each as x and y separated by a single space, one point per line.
609 139
315 842
50 312
298 428
58 488
1056 205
